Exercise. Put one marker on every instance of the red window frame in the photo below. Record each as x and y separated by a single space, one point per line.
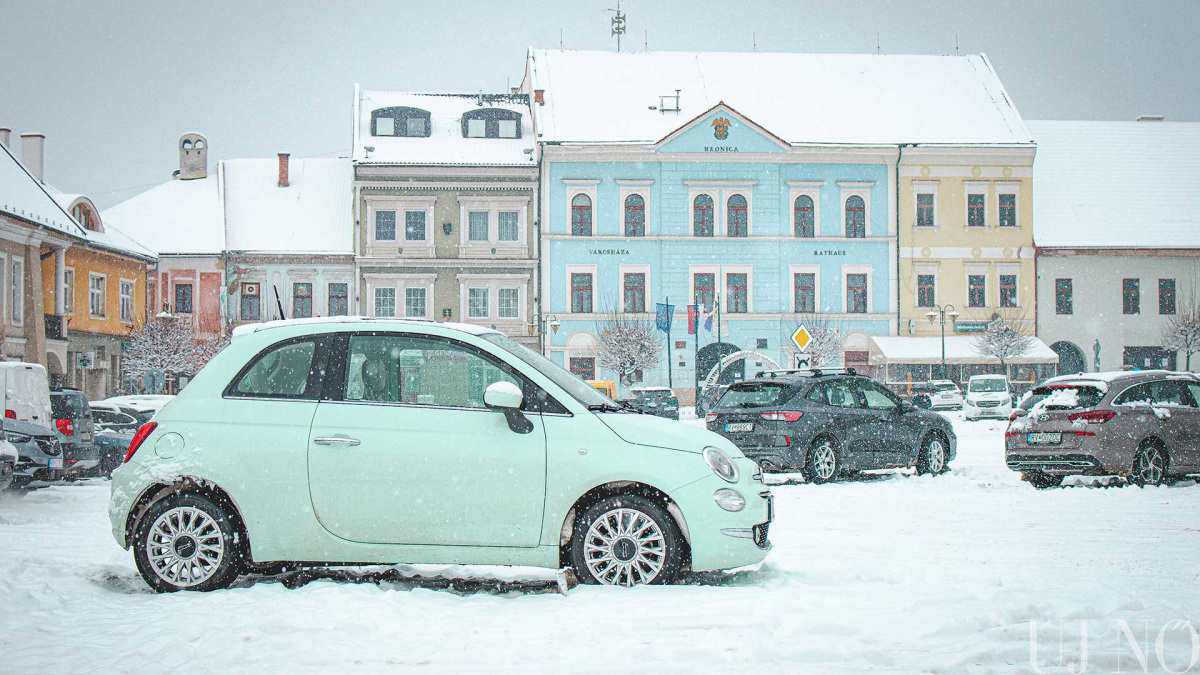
635 216
804 292
1131 296
977 290
578 291
581 366
1064 300
738 224
702 216
703 295
856 217
739 293
581 216
635 292
1166 296
804 217
925 211
926 290
976 210
1008 212
1008 290
856 293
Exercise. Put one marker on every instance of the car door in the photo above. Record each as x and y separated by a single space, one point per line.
849 422
403 450
1183 426
891 435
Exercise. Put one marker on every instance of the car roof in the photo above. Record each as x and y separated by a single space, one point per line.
371 321
990 376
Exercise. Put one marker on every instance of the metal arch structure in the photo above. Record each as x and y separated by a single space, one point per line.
732 359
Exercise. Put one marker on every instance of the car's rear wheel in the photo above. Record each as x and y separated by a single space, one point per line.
932 458
626 540
1149 465
186 542
1042 481
822 464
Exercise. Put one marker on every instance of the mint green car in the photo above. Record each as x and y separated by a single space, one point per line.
352 441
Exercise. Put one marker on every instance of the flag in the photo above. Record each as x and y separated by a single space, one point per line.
708 318
693 316
663 317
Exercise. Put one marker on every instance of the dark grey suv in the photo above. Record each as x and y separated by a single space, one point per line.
828 424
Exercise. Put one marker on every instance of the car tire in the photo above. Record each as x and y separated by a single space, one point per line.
1042 481
626 540
193 542
1150 464
822 463
932 457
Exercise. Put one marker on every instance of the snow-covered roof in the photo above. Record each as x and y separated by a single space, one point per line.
108 237
177 217
445 145
312 215
866 99
23 196
1116 184
959 349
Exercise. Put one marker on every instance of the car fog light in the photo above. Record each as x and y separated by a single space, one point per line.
730 500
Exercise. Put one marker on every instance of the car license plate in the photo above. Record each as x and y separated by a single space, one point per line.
1044 438
56 464
739 426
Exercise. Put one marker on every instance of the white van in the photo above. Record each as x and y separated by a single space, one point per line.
987 396
26 389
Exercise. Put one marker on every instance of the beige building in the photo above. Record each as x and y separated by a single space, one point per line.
445 208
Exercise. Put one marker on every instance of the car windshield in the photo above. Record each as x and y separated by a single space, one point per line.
943 386
991 384
578 389
754 395
69 406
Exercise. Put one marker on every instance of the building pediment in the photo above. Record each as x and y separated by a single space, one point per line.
720 130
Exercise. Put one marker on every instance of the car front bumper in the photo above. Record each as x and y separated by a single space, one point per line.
1002 411
723 539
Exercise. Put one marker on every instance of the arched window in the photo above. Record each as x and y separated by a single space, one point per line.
738 219
400 121
805 222
856 217
635 216
187 145
581 215
199 144
491 123
702 216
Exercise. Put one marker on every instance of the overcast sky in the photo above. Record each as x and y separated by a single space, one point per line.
113 85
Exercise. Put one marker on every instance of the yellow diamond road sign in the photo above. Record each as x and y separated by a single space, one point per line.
801 338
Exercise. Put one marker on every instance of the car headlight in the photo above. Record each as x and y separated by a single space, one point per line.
721 464
730 500
14 437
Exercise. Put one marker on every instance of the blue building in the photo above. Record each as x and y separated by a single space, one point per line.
763 182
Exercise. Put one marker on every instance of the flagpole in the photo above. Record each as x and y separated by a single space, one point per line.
670 320
717 299
696 357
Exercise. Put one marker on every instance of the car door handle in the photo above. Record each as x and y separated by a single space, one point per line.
336 440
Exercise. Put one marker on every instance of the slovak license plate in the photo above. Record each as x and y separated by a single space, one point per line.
739 426
1044 438
55 463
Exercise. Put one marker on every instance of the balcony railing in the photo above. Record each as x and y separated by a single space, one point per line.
56 326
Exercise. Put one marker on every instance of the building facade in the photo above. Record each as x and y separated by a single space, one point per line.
1118 241
445 209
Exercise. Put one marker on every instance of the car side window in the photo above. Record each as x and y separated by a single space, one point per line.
103 416
280 371
392 368
837 393
1194 390
1137 394
1171 392
875 397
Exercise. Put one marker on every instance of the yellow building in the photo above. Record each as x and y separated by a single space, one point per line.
104 298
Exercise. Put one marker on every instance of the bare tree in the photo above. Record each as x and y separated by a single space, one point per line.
1182 334
162 344
627 345
1004 341
826 344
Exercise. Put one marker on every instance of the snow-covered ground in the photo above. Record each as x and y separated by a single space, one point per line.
891 573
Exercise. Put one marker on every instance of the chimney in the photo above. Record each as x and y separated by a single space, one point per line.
283 169
1151 118
5 136
33 154
193 157
539 96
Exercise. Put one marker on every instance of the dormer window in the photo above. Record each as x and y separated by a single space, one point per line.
491 123
400 121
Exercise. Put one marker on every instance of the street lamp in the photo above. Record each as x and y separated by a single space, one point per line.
939 314
541 322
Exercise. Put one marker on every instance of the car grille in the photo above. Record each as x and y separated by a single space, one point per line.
49 446
760 535
988 404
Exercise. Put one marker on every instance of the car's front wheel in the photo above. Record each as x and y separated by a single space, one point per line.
626 540
186 542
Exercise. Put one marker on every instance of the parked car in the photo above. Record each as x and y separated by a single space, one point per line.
8 464
943 394
111 445
829 423
115 417
73 422
988 396
39 454
660 401
709 397
1142 425
606 387
150 403
27 392
507 459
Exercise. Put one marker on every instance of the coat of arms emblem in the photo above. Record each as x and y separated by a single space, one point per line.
721 128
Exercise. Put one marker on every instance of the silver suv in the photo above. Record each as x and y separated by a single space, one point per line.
1143 425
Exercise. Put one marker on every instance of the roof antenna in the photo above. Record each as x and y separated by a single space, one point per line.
646 34
876 42
618 23
560 48
754 41
956 43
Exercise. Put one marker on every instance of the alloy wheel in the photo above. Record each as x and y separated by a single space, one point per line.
826 461
624 547
936 456
1151 466
185 546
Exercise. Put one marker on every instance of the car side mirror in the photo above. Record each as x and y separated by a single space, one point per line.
507 397
906 407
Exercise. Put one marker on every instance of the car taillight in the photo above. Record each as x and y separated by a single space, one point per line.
1093 416
781 416
1011 434
138 438
710 417
10 414
65 427
1013 416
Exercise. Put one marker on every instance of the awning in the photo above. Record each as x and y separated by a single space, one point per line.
960 349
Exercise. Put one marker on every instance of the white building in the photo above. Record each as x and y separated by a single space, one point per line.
1117 231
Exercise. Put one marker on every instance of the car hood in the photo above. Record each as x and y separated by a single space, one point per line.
659 432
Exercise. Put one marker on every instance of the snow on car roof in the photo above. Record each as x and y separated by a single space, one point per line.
249 328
